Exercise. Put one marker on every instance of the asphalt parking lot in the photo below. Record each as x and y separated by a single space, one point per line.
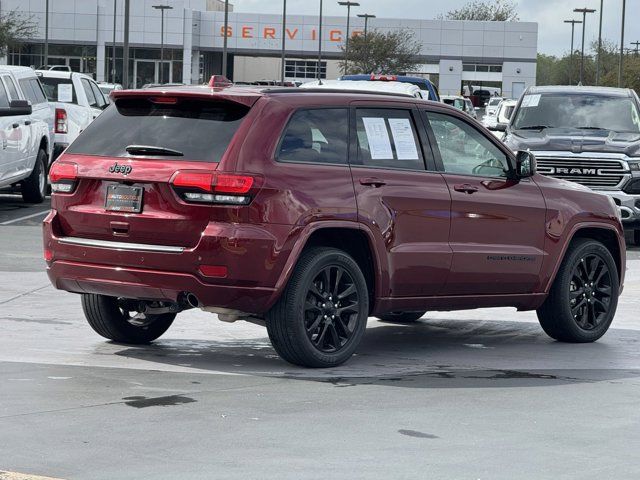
481 394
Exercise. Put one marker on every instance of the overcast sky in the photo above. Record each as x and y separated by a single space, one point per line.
554 35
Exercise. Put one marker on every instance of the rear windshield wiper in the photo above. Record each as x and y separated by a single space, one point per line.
592 128
152 150
535 127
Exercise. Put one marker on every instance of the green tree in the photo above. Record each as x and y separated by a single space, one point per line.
493 11
14 29
382 52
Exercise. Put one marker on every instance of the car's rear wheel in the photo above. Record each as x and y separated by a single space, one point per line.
584 296
401 317
34 188
321 316
118 320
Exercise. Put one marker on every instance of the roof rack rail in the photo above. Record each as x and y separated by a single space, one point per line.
332 90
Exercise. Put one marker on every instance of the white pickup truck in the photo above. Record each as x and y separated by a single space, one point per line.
77 100
26 129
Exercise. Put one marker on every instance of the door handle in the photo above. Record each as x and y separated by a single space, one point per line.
465 188
15 125
372 182
27 122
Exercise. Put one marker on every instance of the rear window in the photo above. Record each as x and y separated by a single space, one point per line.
200 130
59 89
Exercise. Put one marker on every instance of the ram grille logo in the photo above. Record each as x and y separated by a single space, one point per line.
573 171
123 169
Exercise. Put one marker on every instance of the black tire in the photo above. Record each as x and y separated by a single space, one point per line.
584 296
401 317
34 188
110 319
636 237
306 309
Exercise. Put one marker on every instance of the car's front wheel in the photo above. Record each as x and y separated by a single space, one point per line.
118 320
584 296
321 316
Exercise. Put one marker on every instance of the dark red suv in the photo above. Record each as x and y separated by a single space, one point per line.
313 210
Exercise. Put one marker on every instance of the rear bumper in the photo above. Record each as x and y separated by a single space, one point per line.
255 256
153 285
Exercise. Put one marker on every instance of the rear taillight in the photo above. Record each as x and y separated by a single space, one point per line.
217 188
61 121
63 177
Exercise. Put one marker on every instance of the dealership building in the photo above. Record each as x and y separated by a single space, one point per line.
81 34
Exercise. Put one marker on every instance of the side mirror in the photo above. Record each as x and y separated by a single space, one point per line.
501 127
16 107
526 164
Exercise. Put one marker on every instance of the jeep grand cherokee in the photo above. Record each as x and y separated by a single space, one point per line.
310 211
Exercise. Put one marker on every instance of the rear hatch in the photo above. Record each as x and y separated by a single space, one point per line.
145 170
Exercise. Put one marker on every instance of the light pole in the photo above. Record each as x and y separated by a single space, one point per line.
624 8
113 60
366 17
573 28
584 12
346 43
162 8
224 40
125 46
637 49
599 44
284 40
46 33
319 69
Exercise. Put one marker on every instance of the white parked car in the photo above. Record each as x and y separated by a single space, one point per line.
490 120
26 122
503 117
492 105
77 100
461 103
398 88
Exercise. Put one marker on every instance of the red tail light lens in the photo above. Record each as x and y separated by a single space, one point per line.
61 121
63 177
218 188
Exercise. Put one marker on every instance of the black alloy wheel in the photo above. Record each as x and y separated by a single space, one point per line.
331 309
583 299
590 291
320 318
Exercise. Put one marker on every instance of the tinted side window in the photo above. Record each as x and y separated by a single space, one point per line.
87 90
318 136
4 99
387 138
39 95
11 87
464 150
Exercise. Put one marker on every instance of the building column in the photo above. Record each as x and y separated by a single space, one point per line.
187 28
100 48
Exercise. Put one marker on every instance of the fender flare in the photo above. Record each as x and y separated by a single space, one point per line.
569 238
381 271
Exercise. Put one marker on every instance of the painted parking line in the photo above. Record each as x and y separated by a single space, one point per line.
23 476
20 219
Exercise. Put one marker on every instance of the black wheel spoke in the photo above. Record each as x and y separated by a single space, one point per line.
575 294
314 290
349 291
354 307
575 308
336 284
334 336
314 326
